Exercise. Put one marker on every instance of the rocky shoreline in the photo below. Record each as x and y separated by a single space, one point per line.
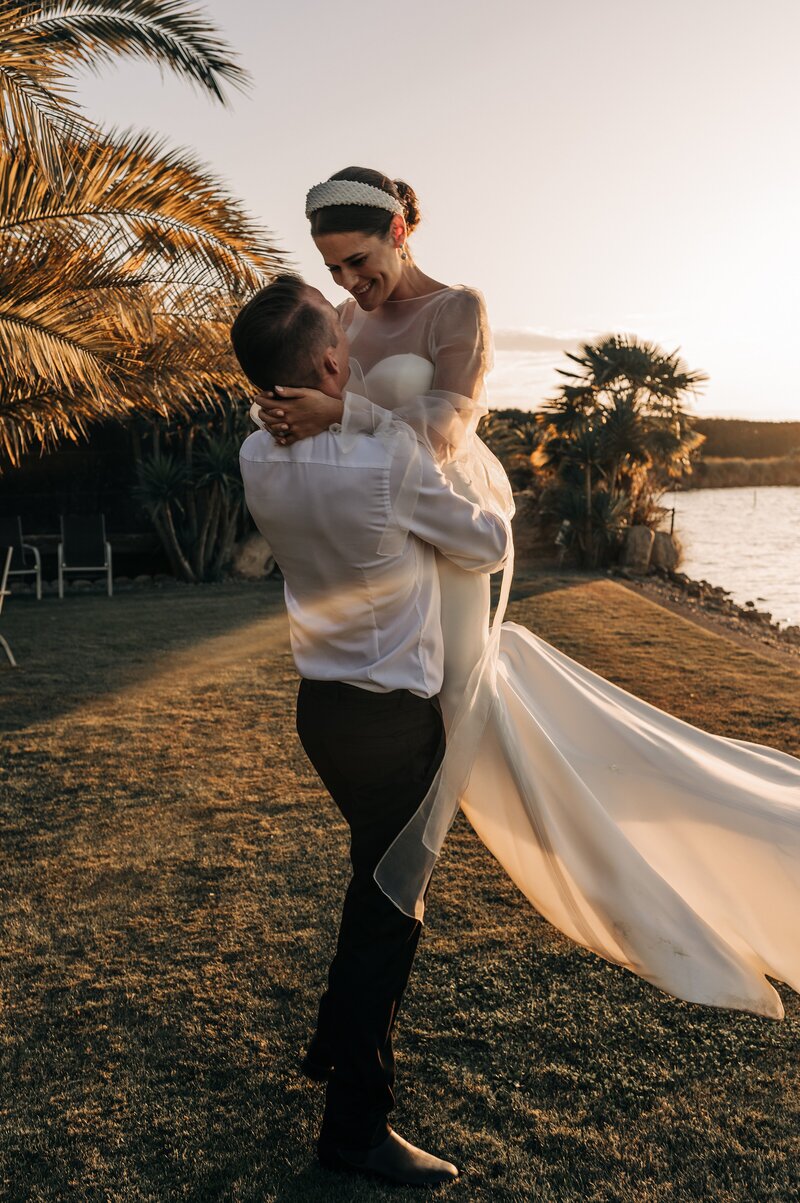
654 556
700 600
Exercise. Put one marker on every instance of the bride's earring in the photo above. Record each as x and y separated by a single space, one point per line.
403 254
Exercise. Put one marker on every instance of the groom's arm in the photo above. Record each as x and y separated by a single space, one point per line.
473 538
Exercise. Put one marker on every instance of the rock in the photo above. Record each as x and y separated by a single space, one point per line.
163 578
666 551
637 549
143 579
252 558
122 581
680 578
695 589
792 634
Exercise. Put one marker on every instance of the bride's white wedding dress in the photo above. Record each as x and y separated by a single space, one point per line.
660 847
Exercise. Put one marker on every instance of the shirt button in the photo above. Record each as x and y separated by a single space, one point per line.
335 428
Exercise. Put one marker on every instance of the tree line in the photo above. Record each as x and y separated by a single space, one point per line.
741 439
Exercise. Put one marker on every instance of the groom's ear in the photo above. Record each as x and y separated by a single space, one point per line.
330 362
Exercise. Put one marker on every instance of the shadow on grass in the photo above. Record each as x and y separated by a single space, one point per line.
87 646
83 647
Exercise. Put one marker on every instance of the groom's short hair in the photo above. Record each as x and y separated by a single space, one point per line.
279 335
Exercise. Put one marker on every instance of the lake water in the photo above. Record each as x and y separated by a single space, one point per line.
747 541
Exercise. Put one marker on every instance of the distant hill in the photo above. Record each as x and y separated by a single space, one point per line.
726 438
735 438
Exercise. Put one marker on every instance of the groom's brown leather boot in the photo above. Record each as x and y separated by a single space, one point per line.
394 1159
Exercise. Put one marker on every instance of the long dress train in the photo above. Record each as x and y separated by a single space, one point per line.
667 850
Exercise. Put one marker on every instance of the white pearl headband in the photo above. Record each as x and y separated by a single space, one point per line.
350 192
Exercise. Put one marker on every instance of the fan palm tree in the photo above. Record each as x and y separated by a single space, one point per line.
120 259
617 425
624 363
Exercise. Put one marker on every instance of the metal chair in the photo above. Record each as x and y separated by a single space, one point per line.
21 552
84 548
5 559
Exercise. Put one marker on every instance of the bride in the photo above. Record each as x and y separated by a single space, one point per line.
662 848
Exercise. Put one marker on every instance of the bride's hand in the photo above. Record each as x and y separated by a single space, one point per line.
303 412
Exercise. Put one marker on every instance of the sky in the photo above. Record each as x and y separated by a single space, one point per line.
592 166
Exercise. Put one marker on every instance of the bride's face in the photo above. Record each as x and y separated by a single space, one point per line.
367 265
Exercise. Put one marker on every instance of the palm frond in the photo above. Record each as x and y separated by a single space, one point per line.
37 118
155 205
42 43
122 259
170 33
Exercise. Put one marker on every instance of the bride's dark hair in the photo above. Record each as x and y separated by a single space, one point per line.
346 219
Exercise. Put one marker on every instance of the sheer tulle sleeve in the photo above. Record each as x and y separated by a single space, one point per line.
444 418
459 346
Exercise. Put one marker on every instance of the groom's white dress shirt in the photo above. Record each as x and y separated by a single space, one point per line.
357 616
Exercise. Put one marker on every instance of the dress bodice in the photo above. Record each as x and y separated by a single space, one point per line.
424 359
395 381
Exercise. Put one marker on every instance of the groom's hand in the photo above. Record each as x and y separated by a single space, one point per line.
290 414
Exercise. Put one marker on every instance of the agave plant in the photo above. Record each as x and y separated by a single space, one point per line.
193 492
120 259
591 526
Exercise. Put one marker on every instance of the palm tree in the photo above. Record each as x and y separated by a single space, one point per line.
573 445
120 260
43 41
618 426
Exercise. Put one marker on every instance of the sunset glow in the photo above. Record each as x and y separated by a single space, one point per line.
591 168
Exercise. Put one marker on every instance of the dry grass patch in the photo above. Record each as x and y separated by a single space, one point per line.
172 874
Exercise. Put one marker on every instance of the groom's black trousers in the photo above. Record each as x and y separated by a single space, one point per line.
377 754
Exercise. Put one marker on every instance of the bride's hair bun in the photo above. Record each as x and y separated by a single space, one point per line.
410 204
336 219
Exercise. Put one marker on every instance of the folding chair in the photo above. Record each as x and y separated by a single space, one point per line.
22 553
5 559
84 548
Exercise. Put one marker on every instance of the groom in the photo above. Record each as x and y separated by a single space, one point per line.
367 641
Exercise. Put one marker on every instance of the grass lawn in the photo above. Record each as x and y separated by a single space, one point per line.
171 881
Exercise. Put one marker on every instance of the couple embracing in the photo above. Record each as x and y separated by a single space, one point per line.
387 514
